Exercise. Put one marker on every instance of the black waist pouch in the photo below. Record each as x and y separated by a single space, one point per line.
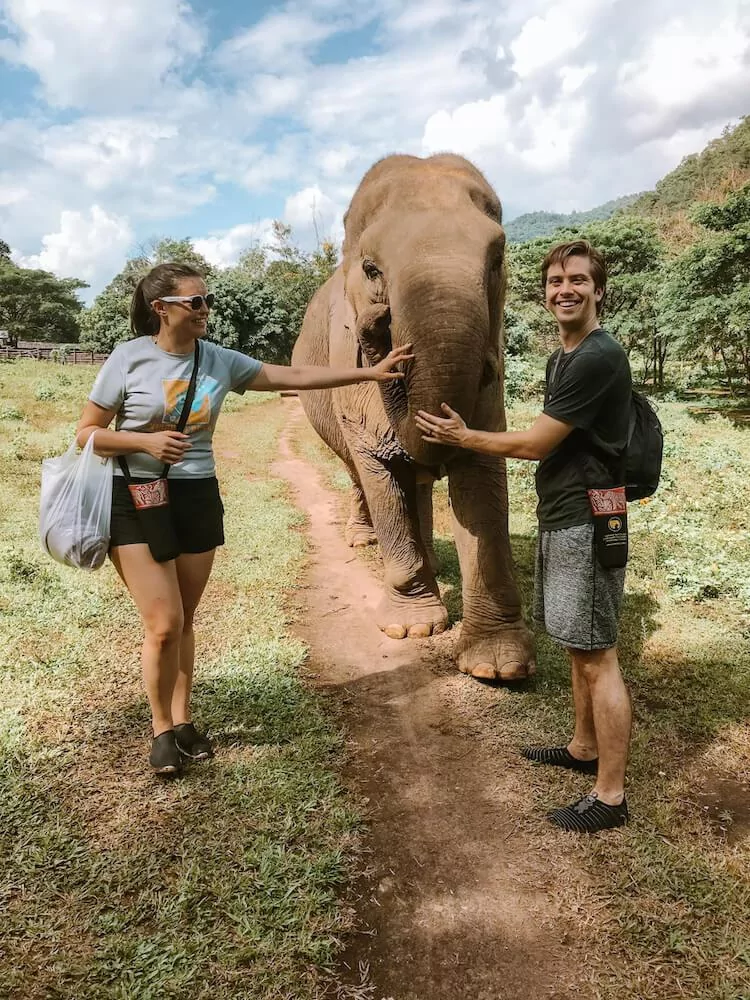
151 501
610 510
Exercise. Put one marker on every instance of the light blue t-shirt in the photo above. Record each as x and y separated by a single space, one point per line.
147 388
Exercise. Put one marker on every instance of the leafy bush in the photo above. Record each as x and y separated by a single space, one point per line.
521 378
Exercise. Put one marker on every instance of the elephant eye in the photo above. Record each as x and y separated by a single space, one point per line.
370 270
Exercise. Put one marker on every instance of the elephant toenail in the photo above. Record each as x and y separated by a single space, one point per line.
419 631
395 631
484 671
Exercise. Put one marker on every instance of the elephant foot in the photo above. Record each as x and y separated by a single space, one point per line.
505 655
415 616
359 533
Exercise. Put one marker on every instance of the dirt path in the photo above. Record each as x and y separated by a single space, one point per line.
455 903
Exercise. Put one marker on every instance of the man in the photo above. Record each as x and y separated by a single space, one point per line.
581 432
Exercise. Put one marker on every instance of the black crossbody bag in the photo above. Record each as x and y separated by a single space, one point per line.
609 508
151 498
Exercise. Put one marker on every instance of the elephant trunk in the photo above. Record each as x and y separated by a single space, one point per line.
443 312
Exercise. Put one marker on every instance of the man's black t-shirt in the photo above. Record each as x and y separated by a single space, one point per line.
590 388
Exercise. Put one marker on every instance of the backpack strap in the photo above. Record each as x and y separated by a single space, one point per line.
184 414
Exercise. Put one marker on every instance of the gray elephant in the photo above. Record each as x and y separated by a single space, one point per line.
423 263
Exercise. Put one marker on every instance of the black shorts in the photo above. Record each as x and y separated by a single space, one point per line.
195 507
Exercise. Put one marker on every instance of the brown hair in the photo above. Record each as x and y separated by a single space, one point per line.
579 248
160 280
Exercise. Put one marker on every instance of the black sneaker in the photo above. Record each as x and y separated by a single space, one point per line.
589 815
191 743
165 757
560 757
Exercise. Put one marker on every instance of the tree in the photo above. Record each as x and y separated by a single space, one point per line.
247 317
36 305
260 303
166 251
634 255
4 251
705 300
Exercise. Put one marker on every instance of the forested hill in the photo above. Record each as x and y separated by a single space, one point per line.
535 224
721 168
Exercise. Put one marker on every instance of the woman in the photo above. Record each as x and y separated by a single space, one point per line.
143 385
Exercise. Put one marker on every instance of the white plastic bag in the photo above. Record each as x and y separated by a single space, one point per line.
76 507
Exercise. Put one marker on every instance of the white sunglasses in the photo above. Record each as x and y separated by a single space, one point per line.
195 300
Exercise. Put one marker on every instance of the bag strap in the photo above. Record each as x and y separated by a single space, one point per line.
184 414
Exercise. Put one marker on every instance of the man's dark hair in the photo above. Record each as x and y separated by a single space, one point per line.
579 248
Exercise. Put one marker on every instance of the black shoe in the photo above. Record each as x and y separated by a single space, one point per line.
165 757
191 743
589 815
560 757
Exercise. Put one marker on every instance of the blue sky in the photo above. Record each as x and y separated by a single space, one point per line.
121 122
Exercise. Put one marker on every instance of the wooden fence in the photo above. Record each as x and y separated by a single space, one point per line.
53 353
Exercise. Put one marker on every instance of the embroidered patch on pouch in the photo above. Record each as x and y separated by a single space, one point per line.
610 501
154 494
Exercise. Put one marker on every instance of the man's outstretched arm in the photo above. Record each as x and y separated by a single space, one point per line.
534 444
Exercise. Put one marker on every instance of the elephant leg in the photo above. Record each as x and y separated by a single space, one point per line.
495 643
411 604
424 513
359 529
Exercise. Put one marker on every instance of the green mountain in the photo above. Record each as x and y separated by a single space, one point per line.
722 167
534 224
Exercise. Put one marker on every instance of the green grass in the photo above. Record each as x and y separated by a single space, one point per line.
223 884
671 894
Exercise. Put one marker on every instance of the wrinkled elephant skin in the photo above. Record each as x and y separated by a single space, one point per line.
423 263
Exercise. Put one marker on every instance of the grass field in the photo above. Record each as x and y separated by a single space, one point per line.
669 898
225 884
115 886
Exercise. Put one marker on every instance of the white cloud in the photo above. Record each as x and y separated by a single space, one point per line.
572 78
11 193
559 111
89 246
551 133
335 161
310 209
685 64
278 41
546 39
96 53
224 249
469 128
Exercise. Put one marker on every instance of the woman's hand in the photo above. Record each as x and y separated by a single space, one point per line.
167 446
383 370
450 430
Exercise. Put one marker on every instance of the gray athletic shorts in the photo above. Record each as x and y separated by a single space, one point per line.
576 601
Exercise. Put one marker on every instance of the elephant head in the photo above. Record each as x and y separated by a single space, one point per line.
424 264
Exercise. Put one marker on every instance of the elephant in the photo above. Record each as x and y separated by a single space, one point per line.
423 263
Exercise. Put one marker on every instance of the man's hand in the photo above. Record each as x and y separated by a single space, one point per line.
383 370
449 430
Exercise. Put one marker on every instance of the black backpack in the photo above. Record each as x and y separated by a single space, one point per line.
644 450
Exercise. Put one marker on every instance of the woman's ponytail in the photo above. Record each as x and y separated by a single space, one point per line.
160 280
143 320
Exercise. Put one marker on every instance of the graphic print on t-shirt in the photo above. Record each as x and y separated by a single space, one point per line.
175 391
